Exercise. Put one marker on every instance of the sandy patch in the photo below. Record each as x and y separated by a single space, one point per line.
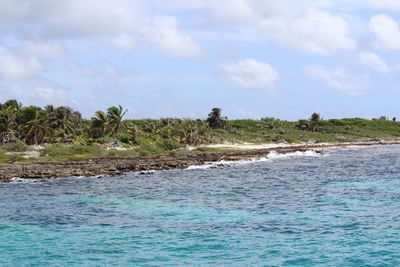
249 146
26 154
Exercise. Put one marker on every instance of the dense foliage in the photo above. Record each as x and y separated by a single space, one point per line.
37 125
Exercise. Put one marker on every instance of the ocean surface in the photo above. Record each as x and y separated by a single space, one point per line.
341 208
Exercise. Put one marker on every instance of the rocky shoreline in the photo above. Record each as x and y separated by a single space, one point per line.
116 166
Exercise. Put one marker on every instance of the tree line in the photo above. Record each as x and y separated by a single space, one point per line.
62 124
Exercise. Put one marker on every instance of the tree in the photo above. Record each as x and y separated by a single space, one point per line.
99 124
63 121
310 124
115 116
315 121
215 120
315 118
8 118
36 130
303 125
26 114
13 104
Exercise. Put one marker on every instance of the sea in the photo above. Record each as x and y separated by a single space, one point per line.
340 207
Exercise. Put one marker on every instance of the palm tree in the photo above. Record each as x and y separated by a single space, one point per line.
8 119
63 122
13 104
115 116
37 129
99 124
315 120
215 120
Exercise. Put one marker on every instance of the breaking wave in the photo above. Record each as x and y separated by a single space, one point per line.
273 155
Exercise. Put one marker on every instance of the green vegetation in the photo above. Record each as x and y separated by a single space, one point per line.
64 134
18 146
215 120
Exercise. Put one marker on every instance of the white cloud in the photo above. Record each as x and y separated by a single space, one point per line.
120 22
124 41
38 94
242 12
107 70
373 61
84 71
27 61
340 80
14 10
250 74
386 32
14 66
72 18
163 33
385 4
44 50
303 24
317 32
50 94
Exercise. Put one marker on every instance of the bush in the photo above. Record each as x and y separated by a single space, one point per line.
125 138
112 153
168 144
336 122
10 158
18 146
85 149
147 147
290 139
55 150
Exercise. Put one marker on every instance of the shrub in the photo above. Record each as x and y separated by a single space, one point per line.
168 144
10 158
290 139
18 146
125 138
147 147
336 122
85 149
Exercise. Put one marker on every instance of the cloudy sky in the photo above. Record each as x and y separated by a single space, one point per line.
180 58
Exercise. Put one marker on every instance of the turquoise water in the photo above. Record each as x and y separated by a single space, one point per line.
339 209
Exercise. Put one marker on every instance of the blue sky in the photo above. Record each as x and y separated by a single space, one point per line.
180 58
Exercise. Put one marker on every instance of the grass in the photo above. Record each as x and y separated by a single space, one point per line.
7 158
272 130
55 150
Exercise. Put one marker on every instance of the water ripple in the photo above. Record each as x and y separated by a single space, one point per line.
341 209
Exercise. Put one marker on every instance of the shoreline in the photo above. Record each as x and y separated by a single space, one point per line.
117 166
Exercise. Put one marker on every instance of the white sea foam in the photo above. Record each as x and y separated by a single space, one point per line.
308 153
273 155
17 180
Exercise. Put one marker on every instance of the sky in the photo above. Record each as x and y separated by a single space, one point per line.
180 58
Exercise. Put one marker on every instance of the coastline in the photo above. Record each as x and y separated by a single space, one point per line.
116 166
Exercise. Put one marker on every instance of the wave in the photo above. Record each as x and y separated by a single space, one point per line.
307 153
18 180
273 155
